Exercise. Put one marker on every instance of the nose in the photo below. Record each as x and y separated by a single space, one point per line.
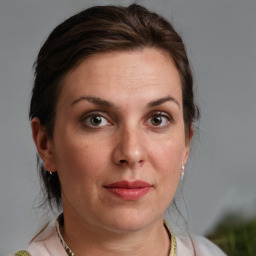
130 150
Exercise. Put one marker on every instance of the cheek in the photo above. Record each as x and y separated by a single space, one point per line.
167 161
167 157
79 161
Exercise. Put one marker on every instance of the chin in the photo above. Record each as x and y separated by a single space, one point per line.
130 220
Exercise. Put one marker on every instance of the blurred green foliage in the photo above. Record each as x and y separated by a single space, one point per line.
235 235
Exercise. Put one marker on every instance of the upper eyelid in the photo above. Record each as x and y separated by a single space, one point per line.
94 112
86 115
161 113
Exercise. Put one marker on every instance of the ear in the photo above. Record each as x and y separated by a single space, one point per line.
43 144
187 146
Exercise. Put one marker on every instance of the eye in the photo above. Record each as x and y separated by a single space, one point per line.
159 120
95 120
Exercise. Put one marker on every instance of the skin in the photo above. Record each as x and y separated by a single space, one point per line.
126 145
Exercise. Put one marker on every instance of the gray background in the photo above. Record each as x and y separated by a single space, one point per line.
221 39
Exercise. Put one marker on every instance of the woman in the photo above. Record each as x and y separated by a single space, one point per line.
112 114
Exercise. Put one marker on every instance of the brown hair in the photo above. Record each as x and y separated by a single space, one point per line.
96 30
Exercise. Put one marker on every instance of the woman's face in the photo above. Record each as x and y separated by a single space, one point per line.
119 141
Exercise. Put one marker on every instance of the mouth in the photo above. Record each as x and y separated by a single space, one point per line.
129 190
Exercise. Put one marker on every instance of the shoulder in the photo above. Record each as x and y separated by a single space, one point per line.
204 246
187 244
46 243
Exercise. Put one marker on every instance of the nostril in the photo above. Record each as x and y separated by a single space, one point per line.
141 162
122 161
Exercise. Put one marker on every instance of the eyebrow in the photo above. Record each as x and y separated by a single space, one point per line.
101 102
162 101
94 100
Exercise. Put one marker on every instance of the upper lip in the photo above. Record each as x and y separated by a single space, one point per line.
128 184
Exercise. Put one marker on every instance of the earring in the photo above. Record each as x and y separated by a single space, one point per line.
182 173
49 169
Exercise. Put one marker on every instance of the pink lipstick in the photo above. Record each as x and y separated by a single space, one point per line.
129 190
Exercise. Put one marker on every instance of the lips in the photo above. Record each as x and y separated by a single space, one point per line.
129 190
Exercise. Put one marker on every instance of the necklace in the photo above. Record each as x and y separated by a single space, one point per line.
70 253
172 238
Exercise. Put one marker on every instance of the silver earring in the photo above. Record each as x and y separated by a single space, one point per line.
182 173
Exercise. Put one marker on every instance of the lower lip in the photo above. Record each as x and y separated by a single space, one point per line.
129 194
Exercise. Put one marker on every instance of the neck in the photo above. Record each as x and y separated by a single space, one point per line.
86 239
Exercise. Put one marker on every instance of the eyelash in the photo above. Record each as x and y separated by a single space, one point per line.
86 120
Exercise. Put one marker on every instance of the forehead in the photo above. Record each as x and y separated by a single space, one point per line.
129 73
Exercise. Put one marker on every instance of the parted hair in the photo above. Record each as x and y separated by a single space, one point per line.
96 30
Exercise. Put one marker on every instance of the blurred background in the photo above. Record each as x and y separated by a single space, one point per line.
220 178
